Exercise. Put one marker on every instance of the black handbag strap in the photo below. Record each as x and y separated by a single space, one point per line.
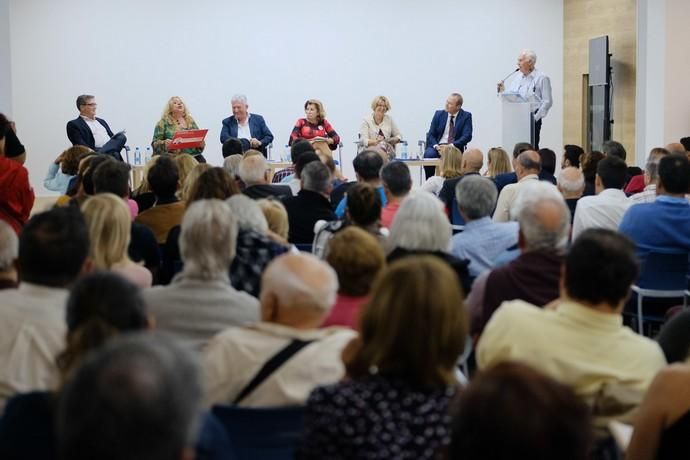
271 366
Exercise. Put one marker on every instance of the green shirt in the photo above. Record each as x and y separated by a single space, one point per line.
166 130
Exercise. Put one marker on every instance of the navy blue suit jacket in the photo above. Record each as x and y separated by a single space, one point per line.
79 132
257 126
463 129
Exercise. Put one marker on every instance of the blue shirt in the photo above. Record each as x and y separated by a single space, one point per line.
340 210
661 226
482 241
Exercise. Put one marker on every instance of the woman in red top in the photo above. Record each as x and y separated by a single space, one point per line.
315 128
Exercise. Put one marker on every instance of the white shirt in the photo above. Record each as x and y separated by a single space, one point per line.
507 198
100 135
604 210
444 138
32 333
434 184
534 84
243 131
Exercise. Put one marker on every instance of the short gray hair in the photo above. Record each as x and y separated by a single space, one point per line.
248 213
207 239
531 203
253 169
9 246
300 281
316 177
420 224
476 196
569 185
526 162
241 98
232 164
530 55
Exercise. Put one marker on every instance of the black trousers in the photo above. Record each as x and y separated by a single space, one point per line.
537 132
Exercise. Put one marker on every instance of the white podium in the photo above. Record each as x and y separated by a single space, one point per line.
517 120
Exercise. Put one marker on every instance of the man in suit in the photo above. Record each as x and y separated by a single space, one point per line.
93 132
250 128
450 126
254 173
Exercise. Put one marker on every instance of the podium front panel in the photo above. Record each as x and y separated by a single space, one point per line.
517 124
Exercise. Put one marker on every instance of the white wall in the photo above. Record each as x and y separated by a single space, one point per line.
134 55
677 90
5 82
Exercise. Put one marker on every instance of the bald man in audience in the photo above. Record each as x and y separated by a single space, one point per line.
533 276
527 167
297 292
676 147
472 163
571 184
254 172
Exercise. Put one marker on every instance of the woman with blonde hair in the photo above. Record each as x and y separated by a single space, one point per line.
379 127
189 173
498 162
315 128
450 167
109 222
401 371
175 118
276 217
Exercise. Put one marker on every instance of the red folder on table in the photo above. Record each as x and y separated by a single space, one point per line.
188 139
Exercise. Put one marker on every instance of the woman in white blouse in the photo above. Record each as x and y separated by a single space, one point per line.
451 166
379 127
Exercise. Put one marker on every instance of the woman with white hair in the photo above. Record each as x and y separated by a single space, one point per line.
421 227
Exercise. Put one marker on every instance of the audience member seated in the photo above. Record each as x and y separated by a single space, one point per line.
422 228
9 251
143 195
232 146
497 162
616 149
232 165
311 203
15 190
53 252
642 189
75 185
65 167
276 218
504 179
188 170
674 338
367 165
400 371
472 162
9 142
136 398
397 184
571 156
296 150
527 167
482 240
450 167
606 208
100 307
86 186
490 418
294 180
582 343
107 218
663 421
168 210
254 173
664 224
571 184
256 247
533 277
357 257
363 210
200 302
174 118
548 165
297 292
589 164
93 132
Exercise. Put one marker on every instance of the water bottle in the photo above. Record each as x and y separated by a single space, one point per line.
403 150
148 155
137 157
286 154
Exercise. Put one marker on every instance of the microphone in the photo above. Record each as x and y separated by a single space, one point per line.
500 84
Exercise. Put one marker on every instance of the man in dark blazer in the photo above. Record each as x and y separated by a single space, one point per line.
249 128
450 126
93 132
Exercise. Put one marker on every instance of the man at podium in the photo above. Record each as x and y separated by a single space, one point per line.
531 82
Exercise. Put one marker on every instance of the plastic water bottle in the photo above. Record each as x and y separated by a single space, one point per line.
403 150
147 155
137 156
286 154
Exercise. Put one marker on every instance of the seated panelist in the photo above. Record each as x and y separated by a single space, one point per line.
93 132
315 128
175 117
449 126
249 128
379 127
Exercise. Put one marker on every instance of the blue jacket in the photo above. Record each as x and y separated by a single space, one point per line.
257 126
79 132
463 129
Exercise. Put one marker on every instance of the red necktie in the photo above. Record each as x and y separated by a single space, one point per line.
451 130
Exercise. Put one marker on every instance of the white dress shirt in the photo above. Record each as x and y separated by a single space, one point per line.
444 138
100 135
604 210
243 131
534 84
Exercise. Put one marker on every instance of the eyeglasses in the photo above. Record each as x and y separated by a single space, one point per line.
91 104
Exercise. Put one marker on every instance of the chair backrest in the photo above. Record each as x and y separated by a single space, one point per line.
664 271
266 433
455 217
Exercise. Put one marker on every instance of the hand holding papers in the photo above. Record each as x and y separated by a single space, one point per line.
188 139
